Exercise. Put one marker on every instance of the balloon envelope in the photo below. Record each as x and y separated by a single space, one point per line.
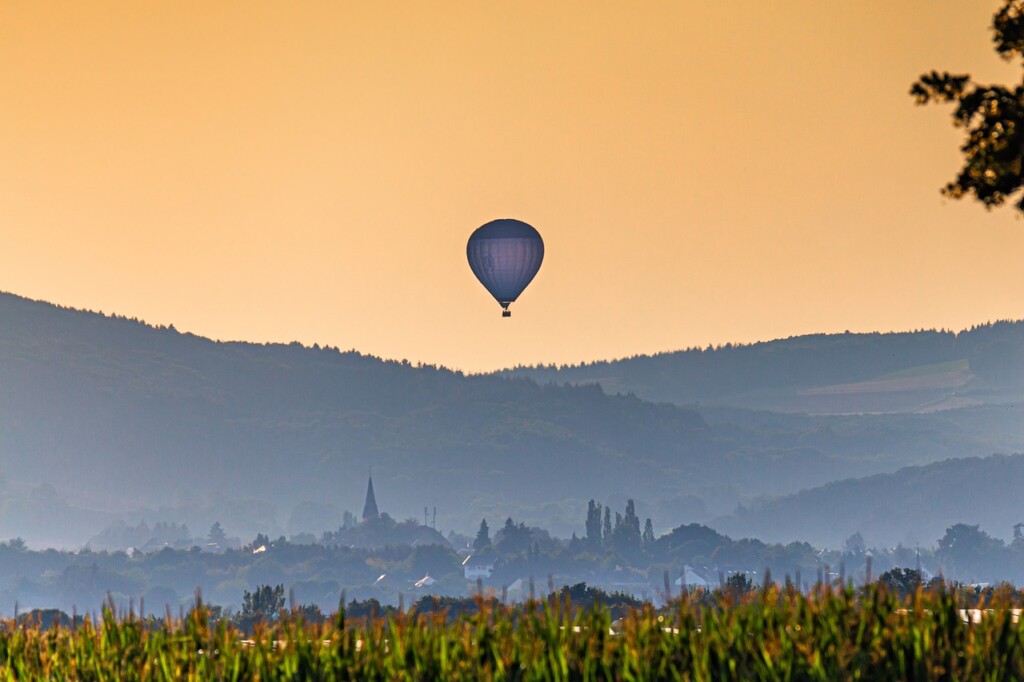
505 255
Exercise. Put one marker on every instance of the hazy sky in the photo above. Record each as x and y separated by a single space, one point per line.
701 171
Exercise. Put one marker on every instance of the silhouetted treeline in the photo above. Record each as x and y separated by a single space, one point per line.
105 420
994 352
978 490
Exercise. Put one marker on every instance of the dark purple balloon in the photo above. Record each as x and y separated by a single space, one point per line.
505 255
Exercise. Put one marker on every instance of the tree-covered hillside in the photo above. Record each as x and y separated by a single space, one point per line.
823 373
105 419
113 413
914 504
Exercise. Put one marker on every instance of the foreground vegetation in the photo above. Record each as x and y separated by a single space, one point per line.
767 634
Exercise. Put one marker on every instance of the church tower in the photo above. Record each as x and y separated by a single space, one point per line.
370 508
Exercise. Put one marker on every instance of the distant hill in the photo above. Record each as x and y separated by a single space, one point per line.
116 414
105 419
823 373
914 504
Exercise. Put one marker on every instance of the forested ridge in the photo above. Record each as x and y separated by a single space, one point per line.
103 419
992 354
973 490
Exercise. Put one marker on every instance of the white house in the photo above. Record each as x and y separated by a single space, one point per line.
425 581
477 570
516 592
690 580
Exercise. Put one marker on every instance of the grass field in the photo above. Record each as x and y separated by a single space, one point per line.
772 634
928 370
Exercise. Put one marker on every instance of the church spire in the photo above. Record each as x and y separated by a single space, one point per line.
370 508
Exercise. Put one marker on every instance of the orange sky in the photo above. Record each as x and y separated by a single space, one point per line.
701 172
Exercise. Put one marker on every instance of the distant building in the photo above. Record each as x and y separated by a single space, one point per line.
370 508
477 570
425 581
516 592
690 580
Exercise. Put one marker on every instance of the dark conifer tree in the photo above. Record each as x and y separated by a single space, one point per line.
594 524
217 537
648 536
483 537
631 519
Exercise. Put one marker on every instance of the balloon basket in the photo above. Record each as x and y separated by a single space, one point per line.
506 313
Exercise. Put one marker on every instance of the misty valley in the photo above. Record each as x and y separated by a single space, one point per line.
143 463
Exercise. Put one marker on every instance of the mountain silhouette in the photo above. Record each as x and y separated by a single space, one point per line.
103 418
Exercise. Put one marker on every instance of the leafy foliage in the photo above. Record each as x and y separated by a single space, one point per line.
902 581
764 634
992 117
264 602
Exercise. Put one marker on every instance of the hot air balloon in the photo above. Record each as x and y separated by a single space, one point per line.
505 255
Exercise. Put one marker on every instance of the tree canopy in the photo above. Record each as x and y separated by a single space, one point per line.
992 117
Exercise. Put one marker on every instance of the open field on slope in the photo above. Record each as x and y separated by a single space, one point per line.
940 376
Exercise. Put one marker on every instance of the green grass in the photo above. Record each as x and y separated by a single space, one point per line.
771 634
